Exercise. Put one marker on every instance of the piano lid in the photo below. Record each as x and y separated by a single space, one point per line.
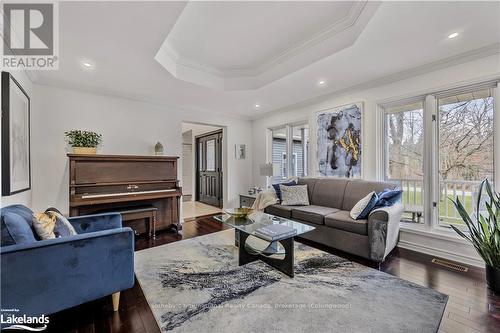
109 169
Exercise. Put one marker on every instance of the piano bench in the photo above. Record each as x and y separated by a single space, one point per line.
136 213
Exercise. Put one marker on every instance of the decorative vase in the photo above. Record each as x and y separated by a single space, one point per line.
84 150
158 149
493 278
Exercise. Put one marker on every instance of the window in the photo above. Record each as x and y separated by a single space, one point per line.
404 133
458 129
290 140
300 134
294 165
279 153
465 133
211 155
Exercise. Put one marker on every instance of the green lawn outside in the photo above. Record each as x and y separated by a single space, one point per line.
416 198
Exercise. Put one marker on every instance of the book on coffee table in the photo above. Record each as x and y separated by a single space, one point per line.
275 231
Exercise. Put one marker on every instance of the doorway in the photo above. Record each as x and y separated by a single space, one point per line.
209 168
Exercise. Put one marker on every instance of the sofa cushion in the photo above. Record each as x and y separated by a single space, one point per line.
311 183
388 198
312 213
294 195
362 209
357 189
17 230
329 192
341 220
277 189
279 210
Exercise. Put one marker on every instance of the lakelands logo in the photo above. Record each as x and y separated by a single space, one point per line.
10 319
30 33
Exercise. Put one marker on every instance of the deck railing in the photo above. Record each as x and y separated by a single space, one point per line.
465 190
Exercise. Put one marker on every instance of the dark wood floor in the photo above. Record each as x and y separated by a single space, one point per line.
471 306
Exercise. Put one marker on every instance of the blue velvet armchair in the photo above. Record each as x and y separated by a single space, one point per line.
47 276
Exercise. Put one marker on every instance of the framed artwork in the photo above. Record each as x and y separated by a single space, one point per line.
240 152
339 141
16 159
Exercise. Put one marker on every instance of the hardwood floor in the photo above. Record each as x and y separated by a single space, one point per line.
471 306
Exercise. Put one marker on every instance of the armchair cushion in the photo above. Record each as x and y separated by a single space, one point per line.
52 224
16 225
16 230
96 222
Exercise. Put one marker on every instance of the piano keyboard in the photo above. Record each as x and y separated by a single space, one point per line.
107 195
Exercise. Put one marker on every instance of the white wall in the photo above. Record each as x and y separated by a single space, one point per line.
187 162
485 68
25 197
448 244
128 127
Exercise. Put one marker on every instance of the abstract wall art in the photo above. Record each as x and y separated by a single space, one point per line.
16 172
339 141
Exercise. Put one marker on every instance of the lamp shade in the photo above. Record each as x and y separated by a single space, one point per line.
269 169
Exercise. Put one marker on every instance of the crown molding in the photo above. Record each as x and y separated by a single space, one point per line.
332 30
290 60
458 59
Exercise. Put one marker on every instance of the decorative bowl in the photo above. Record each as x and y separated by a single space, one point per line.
239 212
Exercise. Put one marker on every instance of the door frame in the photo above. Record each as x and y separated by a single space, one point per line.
222 160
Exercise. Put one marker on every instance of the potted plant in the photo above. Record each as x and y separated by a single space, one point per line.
83 142
484 232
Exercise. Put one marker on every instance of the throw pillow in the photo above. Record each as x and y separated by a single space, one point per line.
52 224
16 230
277 188
294 195
388 198
362 209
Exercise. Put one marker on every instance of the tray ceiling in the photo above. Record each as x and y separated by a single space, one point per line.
246 45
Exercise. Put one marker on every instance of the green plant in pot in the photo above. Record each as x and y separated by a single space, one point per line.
83 142
484 232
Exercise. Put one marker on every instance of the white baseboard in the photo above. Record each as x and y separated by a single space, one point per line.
461 258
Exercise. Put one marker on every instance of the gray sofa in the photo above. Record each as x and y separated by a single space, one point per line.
331 200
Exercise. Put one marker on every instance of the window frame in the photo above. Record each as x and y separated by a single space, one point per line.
288 149
385 138
431 146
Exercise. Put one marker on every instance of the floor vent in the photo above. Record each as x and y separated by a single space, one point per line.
451 265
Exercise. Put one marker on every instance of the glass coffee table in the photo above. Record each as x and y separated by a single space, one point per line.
278 253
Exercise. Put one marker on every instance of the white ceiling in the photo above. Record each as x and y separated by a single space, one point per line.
246 45
243 35
122 39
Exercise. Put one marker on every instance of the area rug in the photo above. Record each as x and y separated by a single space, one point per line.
196 285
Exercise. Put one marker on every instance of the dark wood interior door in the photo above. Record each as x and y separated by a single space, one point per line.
209 168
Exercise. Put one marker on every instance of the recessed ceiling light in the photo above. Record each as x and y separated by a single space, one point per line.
453 35
87 64
321 82
257 106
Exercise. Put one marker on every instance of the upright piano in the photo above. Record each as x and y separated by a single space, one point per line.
104 183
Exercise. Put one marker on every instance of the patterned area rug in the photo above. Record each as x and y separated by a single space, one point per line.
196 285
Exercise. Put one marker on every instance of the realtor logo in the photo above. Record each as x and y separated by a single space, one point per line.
30 35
